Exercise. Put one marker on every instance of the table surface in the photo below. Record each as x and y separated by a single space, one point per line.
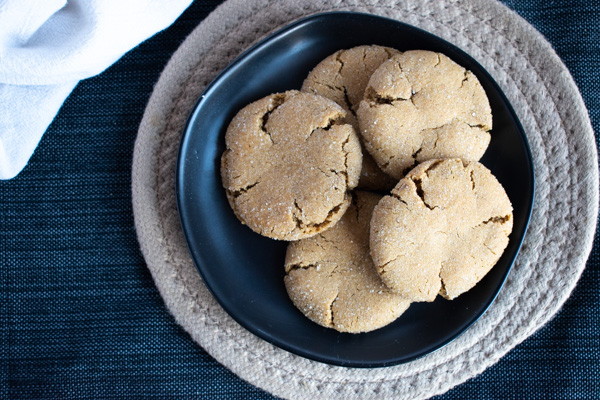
80 315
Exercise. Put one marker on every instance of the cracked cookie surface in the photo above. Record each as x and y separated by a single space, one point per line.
331 277
289 164
343 77
442 229
421 105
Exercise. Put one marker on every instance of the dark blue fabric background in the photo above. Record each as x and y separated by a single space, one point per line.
80 315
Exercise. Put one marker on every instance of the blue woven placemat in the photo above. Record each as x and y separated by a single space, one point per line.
81 317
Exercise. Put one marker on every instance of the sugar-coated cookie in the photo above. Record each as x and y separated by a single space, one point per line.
331 278
343 77
441 230
421 105
289 164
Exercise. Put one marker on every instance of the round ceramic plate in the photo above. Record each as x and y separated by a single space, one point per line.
244 271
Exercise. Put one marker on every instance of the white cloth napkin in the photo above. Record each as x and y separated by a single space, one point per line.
47 46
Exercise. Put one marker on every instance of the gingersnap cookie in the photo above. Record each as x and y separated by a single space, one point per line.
441 230
289 164
343 77
421 105
331 277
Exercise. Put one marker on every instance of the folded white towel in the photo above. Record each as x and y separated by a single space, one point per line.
47 46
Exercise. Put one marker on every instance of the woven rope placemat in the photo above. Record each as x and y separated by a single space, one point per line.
554 252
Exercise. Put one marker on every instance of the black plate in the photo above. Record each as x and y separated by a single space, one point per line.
244 271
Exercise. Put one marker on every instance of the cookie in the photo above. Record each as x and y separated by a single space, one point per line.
289 164
441 230
331 277
343 77
421 105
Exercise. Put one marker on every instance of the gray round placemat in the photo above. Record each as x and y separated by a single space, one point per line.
554 252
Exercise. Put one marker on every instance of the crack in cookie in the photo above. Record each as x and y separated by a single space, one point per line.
312 228
277 101
241 191
294 267
333 120
331 313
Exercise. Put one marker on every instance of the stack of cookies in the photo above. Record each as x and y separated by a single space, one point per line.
371 172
